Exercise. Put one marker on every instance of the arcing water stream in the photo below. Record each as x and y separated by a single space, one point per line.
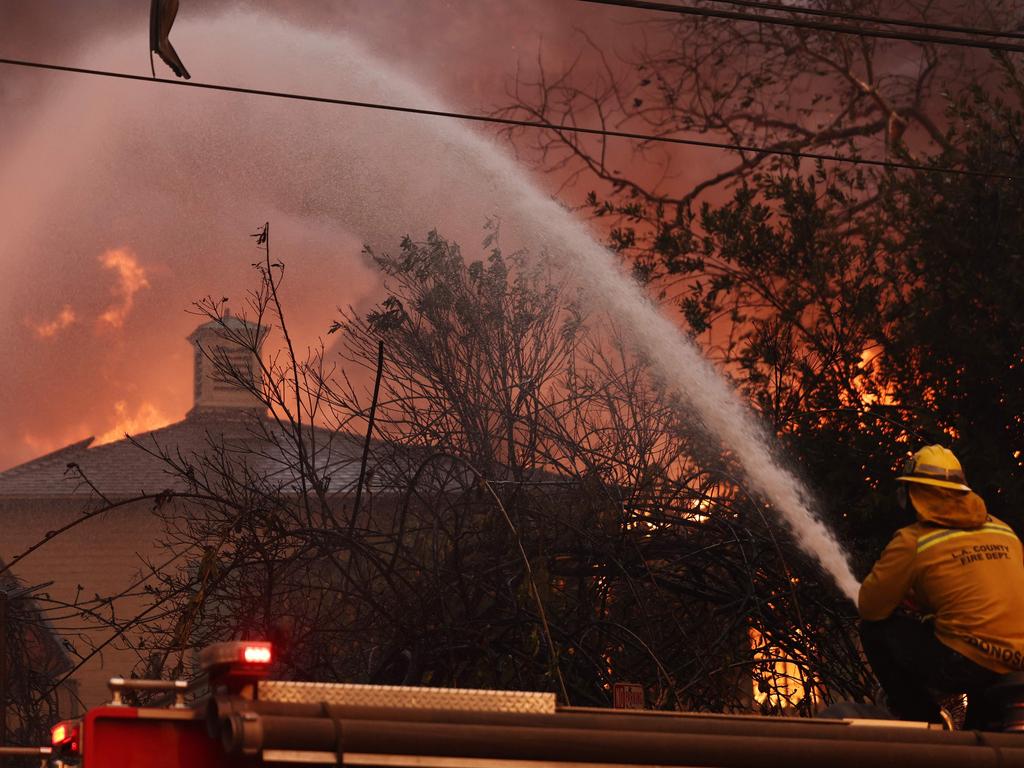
155 152
673 356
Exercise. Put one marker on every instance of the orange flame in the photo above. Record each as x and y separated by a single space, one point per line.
131 280
50 328
886 394
778 680
146 417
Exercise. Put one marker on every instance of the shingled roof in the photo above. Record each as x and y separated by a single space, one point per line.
226 422
133 466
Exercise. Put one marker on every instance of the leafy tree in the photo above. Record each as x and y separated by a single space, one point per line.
952 330
537 515
535 511
741 83
862 312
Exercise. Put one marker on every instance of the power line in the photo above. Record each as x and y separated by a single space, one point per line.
823 156
888 21
846 29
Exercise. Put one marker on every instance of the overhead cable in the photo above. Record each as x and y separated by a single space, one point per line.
760 150
823 26
884 20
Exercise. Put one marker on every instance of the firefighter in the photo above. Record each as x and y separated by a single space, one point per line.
943 608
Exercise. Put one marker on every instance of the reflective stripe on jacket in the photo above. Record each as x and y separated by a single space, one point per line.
970 577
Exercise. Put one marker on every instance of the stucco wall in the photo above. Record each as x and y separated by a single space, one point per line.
104 555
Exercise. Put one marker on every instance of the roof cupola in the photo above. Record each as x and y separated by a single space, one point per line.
227 369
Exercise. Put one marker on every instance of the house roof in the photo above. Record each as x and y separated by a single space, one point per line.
228 324
134 466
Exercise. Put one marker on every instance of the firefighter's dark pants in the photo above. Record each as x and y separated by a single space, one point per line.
913 666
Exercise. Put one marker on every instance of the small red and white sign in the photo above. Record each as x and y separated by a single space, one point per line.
628 696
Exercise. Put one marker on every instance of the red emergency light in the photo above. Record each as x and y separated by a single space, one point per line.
64 737
58 734
257 654
237 664
239 653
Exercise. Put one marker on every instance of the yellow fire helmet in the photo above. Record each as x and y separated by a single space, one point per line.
935 465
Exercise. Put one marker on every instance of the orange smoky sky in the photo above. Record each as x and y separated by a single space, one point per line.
123 203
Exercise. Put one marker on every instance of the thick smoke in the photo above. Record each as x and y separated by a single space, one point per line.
177 179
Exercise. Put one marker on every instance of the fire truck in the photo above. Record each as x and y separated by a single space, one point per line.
234 716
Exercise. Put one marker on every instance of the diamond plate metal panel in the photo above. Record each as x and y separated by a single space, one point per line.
406 697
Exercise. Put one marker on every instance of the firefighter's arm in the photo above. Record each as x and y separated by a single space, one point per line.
890 580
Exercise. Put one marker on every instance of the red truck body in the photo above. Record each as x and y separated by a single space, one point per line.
245 722
144 737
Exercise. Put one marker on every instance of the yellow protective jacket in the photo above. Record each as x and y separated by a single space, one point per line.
960 565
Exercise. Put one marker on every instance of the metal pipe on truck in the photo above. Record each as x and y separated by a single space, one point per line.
597 720
249 733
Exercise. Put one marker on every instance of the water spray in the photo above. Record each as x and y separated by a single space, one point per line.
364 173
